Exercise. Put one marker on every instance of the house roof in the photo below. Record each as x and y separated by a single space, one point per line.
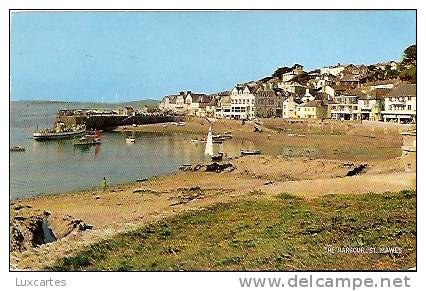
321 95
200 98
354 92
172 98
251 86
403 90
382 82
224 93
208 100
376 94
225 99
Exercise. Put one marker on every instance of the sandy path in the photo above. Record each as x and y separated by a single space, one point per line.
347 185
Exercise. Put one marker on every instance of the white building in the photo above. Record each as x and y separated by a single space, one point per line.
292 87
370 104
344 107
308 96
223 108
400 104
332 70
242 101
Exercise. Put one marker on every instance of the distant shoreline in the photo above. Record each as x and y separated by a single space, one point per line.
143 101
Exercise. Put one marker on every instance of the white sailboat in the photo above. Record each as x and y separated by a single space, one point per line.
209 143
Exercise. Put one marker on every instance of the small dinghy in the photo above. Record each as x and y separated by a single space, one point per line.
250 153
130 140
218 157
87 141
17 149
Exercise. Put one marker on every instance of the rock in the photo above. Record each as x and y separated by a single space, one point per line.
84 226
216 167
197 167
357 170
18 207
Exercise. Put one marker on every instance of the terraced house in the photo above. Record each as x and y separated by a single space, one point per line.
223 107
269 100
242 101
316 109
371 104
189 103
344 107
400 104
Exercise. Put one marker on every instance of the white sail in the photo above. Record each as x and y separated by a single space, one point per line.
209 143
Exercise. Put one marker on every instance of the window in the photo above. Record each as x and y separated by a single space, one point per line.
409 106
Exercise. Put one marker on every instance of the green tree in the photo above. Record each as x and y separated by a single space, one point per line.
409 74
410 55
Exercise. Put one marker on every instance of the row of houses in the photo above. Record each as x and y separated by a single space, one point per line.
332 92
374 104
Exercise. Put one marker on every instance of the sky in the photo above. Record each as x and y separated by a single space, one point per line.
125 56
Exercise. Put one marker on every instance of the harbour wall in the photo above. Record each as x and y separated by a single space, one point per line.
109 122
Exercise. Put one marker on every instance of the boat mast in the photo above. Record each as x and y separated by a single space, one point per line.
209 143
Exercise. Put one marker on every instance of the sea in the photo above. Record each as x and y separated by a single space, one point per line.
50 167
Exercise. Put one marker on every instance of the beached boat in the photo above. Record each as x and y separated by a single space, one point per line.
218 140
249 153
196 140
61 133
218 157
17 149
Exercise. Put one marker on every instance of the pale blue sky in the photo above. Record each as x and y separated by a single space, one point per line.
82 56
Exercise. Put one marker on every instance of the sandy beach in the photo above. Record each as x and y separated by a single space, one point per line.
82 218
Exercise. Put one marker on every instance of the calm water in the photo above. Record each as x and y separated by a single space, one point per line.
58 166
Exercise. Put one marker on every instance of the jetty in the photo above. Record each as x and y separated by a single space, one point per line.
110 119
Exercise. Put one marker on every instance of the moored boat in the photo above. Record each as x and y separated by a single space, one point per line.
218 140
130 140
59 133
17 149
87 141
218 157
248 153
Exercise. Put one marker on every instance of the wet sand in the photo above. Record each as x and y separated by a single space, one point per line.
124 207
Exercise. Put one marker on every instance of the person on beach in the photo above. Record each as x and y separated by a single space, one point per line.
104 184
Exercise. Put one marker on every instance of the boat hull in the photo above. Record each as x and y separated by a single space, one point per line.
250 153
87 143
57 135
